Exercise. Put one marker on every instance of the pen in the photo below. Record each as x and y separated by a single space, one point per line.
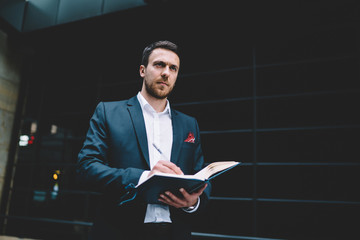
162 154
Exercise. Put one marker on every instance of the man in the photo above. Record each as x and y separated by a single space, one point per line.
119 151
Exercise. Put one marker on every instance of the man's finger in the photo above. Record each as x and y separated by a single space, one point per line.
171 199
171 167
201 190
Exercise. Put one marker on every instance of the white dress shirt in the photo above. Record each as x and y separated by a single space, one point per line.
159 131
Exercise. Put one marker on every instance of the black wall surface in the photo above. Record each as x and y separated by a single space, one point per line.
273 84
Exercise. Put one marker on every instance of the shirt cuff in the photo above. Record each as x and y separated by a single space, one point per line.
194 208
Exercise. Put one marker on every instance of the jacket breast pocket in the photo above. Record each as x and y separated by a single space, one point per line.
188 145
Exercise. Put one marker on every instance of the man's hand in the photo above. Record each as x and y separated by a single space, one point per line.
166 167
188 200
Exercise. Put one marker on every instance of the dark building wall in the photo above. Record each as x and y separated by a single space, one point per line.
10 69
273 85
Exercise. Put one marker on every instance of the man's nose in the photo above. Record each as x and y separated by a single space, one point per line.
166 72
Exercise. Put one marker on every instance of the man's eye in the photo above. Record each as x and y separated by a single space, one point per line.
173 68
160 64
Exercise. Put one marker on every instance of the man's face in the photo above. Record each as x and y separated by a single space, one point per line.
161 72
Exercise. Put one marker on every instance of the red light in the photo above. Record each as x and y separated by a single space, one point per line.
31 141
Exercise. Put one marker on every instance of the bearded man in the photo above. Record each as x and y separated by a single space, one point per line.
119 152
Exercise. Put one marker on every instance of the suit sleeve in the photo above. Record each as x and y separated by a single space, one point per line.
93 167
198 165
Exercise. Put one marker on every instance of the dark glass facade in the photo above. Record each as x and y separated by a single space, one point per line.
273 85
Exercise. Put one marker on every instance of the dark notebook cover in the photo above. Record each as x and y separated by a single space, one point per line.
151 189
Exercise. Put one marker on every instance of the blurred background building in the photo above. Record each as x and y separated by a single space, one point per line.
273 84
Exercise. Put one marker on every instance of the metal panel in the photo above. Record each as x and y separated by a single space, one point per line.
70 10
117 5
36 14
13 11
40 14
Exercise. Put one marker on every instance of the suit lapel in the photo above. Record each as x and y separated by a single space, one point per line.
177 137
139 126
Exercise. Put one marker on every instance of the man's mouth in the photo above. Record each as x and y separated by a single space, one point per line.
163 83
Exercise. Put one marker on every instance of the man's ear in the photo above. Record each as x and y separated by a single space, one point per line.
142 71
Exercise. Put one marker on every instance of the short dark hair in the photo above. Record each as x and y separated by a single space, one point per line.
159 44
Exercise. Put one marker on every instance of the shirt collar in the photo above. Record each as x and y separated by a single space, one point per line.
145 105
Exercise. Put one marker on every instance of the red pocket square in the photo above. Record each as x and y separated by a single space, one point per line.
190 138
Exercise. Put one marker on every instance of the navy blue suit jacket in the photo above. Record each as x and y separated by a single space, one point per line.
115 154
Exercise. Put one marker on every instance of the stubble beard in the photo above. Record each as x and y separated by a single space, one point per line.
155 91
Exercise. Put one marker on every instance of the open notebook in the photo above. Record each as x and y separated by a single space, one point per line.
158 183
